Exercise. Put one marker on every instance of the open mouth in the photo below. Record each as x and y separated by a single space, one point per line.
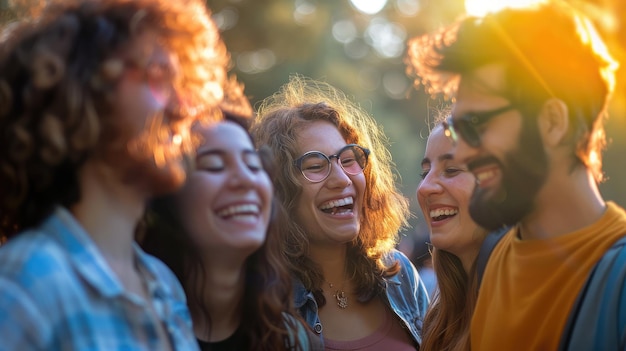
485 170
244 211
443 213
485 175
345 205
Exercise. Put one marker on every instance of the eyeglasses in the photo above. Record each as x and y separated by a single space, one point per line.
467 125
315 166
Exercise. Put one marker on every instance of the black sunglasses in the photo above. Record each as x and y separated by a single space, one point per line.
467 125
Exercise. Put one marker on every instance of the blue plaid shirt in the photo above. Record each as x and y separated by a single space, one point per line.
58 293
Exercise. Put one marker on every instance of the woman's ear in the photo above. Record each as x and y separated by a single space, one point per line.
554 123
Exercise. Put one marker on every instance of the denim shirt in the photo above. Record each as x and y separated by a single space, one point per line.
59 293
404 293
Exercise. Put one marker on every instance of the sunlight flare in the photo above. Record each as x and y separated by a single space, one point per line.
482 7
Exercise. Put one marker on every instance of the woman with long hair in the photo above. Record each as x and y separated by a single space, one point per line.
456 239
217 236
343 213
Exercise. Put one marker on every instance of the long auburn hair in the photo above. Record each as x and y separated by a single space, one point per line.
59 68
267 297
447 321
280 118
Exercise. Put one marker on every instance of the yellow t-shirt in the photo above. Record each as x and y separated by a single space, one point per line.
529 286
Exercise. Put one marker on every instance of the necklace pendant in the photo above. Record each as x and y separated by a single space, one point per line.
342 299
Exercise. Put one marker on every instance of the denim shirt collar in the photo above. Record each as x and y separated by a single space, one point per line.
301 295
88 260
404 293
83 252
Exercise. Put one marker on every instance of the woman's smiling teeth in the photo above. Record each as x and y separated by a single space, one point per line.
344 205
240 211
443 213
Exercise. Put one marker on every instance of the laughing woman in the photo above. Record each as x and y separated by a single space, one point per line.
343 216
214 235
444 196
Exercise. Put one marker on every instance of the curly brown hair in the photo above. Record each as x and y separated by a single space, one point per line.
58 71
280 119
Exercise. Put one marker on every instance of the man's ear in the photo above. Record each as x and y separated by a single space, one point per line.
554 122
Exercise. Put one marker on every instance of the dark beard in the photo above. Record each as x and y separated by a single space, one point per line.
523 174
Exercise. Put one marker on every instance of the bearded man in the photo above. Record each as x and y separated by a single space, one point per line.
530 89
96 99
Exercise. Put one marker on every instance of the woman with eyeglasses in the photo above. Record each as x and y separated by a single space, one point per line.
444 196
343 214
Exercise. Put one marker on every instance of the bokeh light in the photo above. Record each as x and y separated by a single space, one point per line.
370 7
256 61
227 18
408 7
396 84
387 38
344 31
304 12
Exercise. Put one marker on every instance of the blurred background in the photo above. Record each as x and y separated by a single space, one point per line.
359 46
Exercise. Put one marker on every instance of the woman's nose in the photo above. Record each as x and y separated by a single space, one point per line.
242 176
429 185
338 177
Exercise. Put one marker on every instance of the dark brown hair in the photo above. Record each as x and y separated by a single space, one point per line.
268 294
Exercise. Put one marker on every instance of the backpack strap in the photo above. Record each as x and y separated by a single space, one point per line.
490 242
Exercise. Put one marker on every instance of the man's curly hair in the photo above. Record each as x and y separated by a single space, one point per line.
58 73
